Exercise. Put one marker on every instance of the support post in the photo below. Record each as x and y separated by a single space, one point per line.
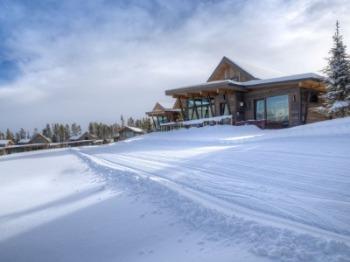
210 106
184 117
227 103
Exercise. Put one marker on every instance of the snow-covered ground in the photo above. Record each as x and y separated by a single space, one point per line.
218 193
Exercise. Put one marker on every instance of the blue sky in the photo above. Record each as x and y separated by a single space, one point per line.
74 60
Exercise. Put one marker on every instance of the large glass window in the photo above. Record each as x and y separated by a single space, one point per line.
274 109
260 109
277 109
202 105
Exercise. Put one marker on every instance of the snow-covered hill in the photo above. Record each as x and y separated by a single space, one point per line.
219 193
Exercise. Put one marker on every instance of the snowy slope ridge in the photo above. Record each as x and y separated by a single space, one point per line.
286 192
278 194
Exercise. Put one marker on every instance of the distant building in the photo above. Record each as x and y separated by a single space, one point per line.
39 139
24 141
162 116
130 131
6 143
84 136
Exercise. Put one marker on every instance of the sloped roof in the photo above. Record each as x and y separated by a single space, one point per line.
48 140
134 129
284 79
24 141
158 108
247 85
226 60
5 142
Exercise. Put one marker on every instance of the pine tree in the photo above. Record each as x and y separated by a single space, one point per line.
56 135
130 122
122 121
61 132
75 129
9 135
47 131
22 133
66 132
17 137
337 98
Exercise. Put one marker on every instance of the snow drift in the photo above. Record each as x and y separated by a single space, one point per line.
251 194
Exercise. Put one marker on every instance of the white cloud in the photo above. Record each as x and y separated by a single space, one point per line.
111 61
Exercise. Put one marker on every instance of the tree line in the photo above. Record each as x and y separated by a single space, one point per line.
59 132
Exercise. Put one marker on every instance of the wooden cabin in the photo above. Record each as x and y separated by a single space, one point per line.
39 139
129 131
161 116
82 137
6 143
235 96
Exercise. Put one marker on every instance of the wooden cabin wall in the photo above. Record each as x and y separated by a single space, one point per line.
293 92
38 140
312 115
230 97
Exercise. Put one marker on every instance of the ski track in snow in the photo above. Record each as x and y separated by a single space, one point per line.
284 193
281 194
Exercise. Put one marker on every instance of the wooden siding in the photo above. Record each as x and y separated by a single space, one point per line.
293 92
227 71
309 112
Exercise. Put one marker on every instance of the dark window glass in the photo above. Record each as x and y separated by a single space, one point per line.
277 108
260 109
223 109
314 98
202 105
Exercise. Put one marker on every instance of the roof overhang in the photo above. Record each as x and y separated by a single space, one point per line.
315 84
163 112
205 89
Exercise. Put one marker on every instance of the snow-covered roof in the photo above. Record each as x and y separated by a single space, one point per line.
24 141
76 137
5 142
135 129
290 78
245 86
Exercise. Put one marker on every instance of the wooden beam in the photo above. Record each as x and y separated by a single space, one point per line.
184 117
195 108
154 123
307 105
227 103
211 106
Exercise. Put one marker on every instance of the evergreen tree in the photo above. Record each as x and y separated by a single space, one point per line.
61 133
92 128
17 137
22 133
9 135
2 136
55 135
47 131
130 122
337 98
66 132
75 129
122 120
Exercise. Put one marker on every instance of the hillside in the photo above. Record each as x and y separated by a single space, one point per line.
220 193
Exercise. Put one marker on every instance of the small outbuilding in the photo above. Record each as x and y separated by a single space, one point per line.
6 143
162 116
130 131
84 136
39 139
24 141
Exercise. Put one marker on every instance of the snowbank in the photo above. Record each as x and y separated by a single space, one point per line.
252 194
